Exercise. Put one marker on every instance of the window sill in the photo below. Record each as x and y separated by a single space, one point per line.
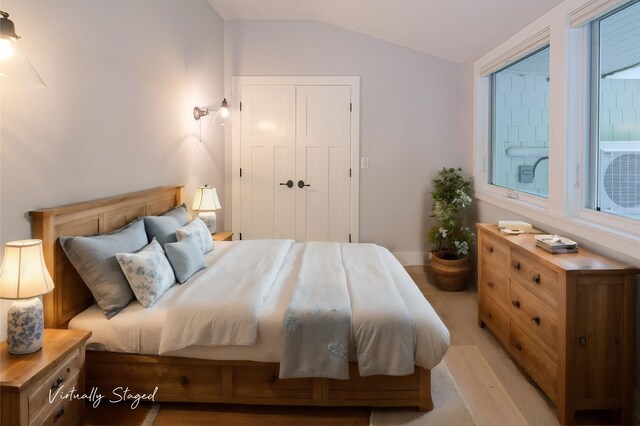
589 228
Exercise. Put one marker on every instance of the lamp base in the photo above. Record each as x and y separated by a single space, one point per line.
25 326
209 219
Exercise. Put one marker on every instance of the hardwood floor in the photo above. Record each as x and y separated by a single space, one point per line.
458 311
497 392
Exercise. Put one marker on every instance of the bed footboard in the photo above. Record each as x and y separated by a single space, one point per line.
245 382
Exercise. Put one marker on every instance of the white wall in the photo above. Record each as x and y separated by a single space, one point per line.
408 122
116 116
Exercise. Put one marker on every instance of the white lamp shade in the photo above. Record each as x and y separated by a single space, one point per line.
206 199
23 273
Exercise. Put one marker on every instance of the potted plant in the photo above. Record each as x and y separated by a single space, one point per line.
452 239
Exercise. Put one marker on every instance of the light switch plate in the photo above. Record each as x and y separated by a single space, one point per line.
364 162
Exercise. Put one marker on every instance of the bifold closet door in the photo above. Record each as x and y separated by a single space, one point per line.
295 159
323 147
268 162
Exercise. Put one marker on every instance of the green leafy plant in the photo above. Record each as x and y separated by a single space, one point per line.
450 198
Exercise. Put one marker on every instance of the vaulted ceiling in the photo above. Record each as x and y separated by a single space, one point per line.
455 30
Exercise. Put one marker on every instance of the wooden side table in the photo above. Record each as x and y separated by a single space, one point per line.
222 236
28 381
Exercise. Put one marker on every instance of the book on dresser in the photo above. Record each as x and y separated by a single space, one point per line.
556 244
568 320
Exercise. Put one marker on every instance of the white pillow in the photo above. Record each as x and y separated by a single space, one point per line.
198 229
148 271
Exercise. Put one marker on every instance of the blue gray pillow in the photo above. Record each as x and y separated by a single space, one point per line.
186 257
163 228
95 260
148 272
198 229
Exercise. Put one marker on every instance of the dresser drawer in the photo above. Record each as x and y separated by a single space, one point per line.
495 317
494 252
61 378
535 317
533 276
534 360
494 284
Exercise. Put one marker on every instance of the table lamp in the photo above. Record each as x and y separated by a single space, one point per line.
24 277
205 202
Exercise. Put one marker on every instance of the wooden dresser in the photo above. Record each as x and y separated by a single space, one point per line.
35 386
567 319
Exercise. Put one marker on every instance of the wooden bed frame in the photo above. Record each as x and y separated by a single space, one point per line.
186 379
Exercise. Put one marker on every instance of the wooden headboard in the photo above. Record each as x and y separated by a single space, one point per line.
70 295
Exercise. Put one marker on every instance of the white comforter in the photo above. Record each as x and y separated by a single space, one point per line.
223 305
346 299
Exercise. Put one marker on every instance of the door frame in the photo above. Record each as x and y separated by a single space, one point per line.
235 153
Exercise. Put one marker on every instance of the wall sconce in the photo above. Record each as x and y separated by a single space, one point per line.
15 68
223 111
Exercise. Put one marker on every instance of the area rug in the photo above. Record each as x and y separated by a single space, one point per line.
449 407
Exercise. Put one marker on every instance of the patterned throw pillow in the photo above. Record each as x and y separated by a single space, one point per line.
148 272
198 229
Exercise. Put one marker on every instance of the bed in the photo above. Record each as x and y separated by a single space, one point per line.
125 350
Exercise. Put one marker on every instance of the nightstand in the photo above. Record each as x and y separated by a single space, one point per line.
222 236
27 381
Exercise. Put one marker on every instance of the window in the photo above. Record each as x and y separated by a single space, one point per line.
519 140
614 184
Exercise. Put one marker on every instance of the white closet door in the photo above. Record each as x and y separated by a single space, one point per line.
323 144
267 160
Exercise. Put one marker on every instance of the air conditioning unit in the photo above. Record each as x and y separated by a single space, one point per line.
619 178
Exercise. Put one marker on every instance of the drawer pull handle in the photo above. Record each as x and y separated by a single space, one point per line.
516 303
518 347
490 284
582 341
184 380
57 383
489 316
490 249
516 265
272 377
535 320
59 414
68 369
536 279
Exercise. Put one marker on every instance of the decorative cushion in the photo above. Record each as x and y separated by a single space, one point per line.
198 229
163 228
148 272
185 257
94 259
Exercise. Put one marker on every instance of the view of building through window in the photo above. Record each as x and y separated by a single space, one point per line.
615 159
520 125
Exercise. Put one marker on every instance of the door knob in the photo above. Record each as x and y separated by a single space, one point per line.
301 184
288 184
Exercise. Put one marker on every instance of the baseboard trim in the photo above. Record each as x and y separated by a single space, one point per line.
636 407
409 258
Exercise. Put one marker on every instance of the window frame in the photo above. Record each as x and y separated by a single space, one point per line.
510 192
568 30
527 43
592 184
